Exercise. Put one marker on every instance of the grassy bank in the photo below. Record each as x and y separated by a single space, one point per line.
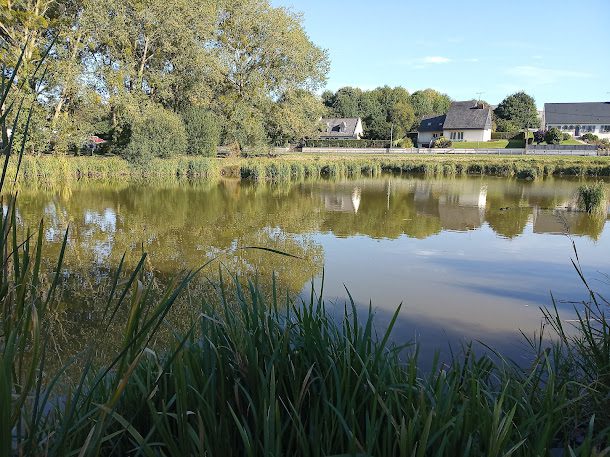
51 170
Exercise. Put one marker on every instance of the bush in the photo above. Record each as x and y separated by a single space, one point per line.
405 143
567 136
539 136
553 136
157 132
442 142
202 131
589 138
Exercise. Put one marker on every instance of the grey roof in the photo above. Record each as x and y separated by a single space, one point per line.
466 115
338 127
433 123
577 113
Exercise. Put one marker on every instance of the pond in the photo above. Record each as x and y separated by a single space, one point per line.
470 258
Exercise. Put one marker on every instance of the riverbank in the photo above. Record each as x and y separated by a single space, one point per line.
48 170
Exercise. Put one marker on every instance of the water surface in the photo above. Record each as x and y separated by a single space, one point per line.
469 258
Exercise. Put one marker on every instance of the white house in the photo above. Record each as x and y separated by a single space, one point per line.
465 121
342 129
579 118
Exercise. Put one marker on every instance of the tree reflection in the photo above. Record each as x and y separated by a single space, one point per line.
184 225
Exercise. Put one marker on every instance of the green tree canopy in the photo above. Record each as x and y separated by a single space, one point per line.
517 111
429 101
236 59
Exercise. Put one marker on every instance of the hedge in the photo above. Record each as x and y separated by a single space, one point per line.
506 135
347 143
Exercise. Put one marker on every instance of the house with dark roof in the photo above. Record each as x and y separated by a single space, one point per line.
342 129
579 118
465 121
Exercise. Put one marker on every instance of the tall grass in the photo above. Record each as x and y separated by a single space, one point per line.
52 170
592 197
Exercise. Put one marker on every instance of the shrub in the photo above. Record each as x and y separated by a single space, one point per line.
553 136
589 138
442 142
405 143
566 136
157 132
202 131
539 136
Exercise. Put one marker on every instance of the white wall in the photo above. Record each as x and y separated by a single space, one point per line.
426 137
359 130
471 135
597 130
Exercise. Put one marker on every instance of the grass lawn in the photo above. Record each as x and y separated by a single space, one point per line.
495 144
571 142
501 144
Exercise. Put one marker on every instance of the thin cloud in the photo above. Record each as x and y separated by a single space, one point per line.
541 75
435 59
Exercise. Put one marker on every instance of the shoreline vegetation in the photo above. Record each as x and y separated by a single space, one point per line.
50 170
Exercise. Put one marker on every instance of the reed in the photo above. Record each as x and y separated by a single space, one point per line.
592 197
52 170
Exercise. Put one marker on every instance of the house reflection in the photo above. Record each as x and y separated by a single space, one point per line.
460 210
342 201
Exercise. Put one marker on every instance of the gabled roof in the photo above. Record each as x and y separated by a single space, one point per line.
340 126
577 113
433 123
468 115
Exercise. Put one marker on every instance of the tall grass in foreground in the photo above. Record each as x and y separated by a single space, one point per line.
592 197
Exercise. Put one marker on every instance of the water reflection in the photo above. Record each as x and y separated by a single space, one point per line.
469 257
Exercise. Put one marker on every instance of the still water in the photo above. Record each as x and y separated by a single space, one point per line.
469 258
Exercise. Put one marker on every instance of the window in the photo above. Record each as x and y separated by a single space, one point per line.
435 135
587 128
604 129
565 127
571 127
457 136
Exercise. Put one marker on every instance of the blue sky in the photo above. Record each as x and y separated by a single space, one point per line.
557 51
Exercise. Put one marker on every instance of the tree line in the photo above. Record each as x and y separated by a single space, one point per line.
162 76
386 111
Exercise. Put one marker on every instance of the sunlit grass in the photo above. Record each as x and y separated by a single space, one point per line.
48 171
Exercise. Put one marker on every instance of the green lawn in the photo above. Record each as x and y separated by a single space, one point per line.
571 141
495 144
500 144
